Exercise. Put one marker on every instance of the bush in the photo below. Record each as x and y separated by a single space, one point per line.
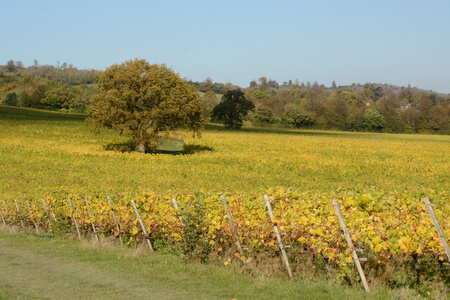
11 99
195 242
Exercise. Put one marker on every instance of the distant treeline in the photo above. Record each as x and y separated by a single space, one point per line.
209 85
48 87
367 107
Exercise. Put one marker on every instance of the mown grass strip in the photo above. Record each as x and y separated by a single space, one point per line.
36 267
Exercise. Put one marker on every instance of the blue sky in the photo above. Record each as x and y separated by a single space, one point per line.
395 42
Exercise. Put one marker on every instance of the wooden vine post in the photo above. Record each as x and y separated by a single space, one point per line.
94 229
439 231
31 215
18 211
175 204
233 229
45 206
3 218
46 210
75 219
350 244
277 233
142 226
6 210
115 221
46 213
53 213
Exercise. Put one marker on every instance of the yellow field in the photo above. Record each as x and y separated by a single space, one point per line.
58 156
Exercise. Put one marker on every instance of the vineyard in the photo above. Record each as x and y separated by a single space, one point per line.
391 228
379 180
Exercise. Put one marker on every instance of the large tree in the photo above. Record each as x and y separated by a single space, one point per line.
145 100
232 109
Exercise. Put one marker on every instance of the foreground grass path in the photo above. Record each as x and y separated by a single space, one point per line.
38 267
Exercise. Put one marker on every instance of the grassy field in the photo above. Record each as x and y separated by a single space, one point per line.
46 153
40 267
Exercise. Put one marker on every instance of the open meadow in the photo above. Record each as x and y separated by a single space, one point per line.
379 180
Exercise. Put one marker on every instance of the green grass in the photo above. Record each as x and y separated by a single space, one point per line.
37 115
42 267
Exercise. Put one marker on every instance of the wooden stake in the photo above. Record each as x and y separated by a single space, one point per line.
233 230
6 209
18 211
3 218
142 226
46 212
175 204
277 232
53 213
31 215
90 217
74 219
45 206
437 226
350 244
115 221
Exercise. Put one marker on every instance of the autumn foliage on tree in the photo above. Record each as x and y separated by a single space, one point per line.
144 100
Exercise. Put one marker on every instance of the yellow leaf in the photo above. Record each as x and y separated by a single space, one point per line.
378 248
134 230
376 240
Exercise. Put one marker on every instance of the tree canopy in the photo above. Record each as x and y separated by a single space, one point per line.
144 100
232 109
291 104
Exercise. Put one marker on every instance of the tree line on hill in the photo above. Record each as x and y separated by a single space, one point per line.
358 107
63 87
368 107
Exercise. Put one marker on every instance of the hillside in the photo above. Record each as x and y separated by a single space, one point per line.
365 107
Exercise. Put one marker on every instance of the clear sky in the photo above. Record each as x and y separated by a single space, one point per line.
396 42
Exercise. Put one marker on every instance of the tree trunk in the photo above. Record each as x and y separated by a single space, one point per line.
141 147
